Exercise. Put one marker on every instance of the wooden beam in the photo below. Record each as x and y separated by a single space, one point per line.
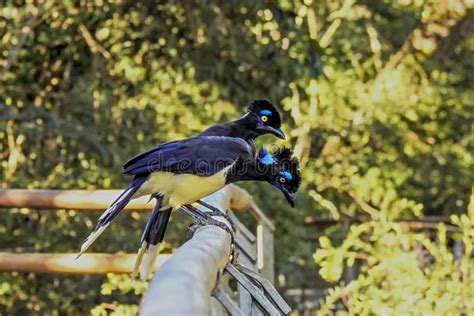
90 200
66 263
99 200
85 200
255 291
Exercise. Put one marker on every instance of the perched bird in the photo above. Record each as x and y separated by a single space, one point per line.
261 118
182 172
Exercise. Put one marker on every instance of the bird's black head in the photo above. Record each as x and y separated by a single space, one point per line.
282 170
263 118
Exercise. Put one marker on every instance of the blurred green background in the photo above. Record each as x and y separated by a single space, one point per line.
377 100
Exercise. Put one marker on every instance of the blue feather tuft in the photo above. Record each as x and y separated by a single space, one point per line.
265 112
265 157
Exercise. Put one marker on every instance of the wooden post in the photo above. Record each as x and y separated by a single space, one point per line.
265 251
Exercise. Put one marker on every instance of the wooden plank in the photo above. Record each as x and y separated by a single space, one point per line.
269 289
228 303
245 299
83 200
224 284
253 290
241 227
216 308
66 263
256 311
250 306
246 246
89 200
265 252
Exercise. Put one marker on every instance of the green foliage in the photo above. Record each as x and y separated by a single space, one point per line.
401 271
119 284
86 85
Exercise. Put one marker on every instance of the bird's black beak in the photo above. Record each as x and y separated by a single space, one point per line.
275 131
290 197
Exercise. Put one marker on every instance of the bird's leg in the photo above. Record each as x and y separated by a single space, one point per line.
198 219
217 212
214 210
203 218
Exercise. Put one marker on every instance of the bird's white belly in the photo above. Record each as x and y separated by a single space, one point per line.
182 188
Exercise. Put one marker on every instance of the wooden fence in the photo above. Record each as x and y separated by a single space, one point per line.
209 246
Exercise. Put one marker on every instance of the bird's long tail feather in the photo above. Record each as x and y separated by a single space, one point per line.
151 239
111 213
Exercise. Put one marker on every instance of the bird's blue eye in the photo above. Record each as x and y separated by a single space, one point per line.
265 112
287 175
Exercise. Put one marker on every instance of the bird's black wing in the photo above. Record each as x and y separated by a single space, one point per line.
148 153
202 155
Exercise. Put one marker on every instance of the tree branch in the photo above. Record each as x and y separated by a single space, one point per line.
92 43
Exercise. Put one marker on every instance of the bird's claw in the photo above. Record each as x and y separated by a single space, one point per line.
224 226
217 212
206 218
194 226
